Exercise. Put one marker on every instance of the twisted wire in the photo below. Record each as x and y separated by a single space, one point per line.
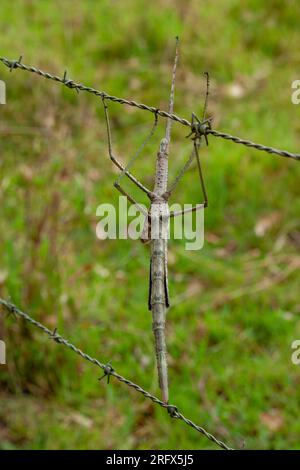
17 64
108 370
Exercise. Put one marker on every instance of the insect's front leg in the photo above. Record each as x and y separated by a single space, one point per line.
129 175
130 198
123 169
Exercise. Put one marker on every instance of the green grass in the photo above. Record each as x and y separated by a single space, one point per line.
235 304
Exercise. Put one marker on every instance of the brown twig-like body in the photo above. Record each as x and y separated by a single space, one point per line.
159 219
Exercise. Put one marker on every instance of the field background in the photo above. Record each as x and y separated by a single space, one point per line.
235 304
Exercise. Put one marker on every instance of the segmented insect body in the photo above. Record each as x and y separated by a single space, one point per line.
156 227
158 283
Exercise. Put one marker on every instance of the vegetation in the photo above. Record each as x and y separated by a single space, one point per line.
235 304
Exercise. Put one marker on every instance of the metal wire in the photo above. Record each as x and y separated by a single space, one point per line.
17 64
249 143
109 371
11 308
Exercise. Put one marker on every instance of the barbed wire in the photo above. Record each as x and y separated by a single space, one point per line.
109 371
17 64
107 368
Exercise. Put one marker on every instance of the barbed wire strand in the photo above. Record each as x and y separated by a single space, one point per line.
17 64
109 371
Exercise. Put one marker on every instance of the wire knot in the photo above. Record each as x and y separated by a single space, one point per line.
69 83
199 128
14 64
108 370
173 411
11 311
55 336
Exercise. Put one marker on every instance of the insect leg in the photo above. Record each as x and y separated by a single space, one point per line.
116 161
150 287
130 198
205 203
166 283
186 211
181 173
200 174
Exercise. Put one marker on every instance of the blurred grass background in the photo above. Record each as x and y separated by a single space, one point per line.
235 304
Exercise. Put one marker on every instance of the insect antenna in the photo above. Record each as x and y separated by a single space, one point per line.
172 93
206 96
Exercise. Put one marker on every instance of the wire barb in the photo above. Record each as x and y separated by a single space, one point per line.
12 308
14 64
199 128
108 370
55 336
10 312
69 83
173 411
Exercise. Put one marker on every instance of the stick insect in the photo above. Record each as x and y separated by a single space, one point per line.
157 219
